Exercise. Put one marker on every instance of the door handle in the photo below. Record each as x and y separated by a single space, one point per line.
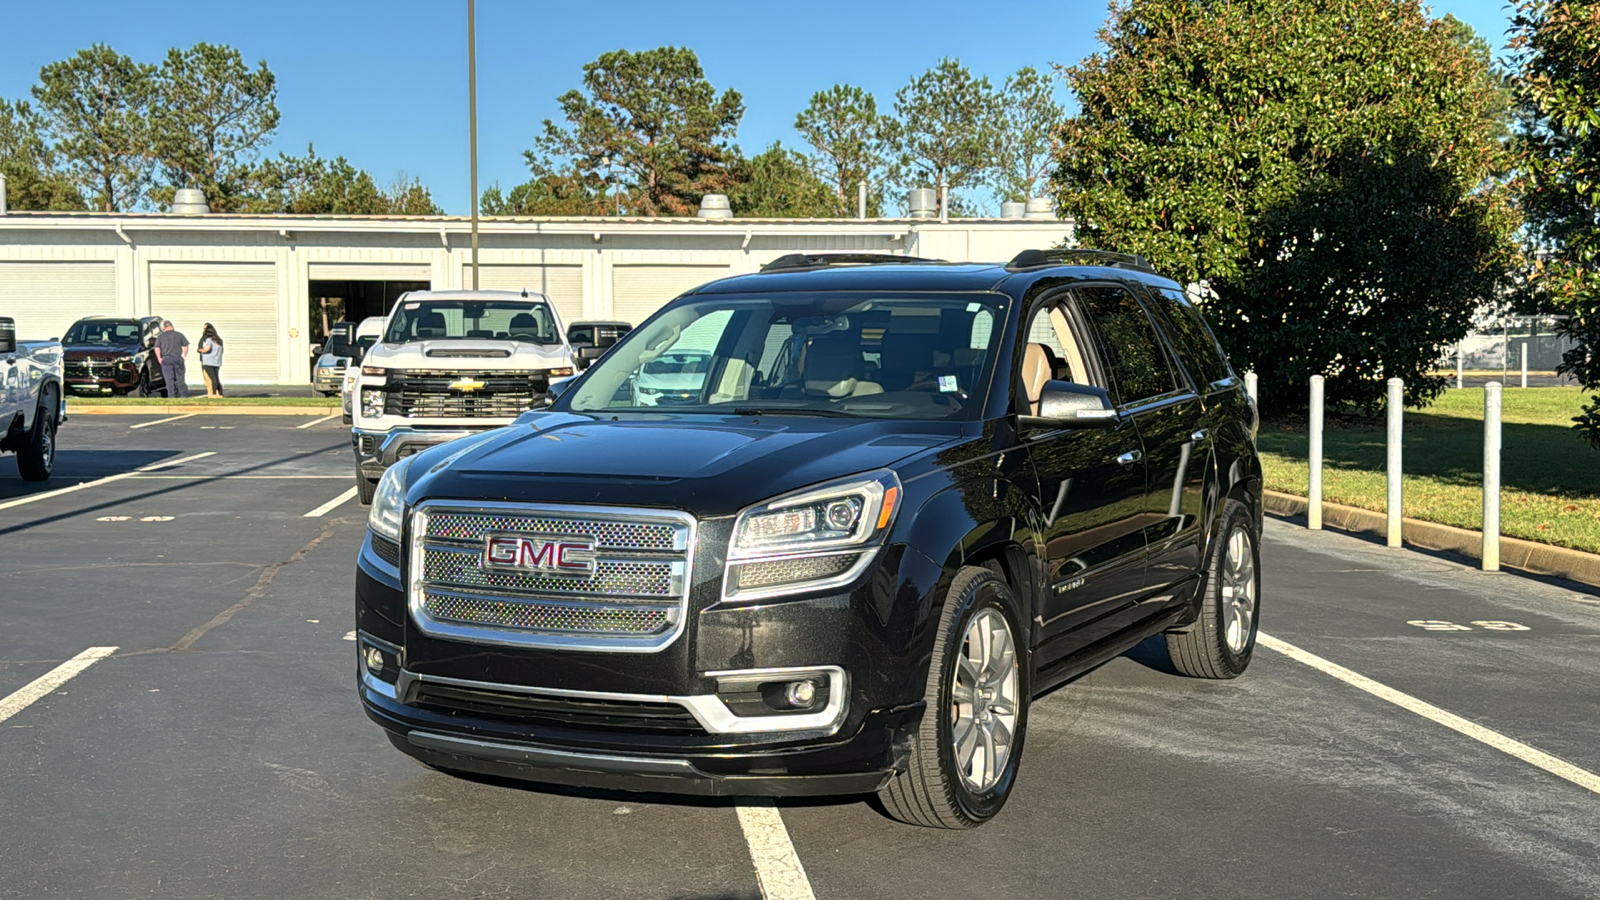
1199 435
1131 457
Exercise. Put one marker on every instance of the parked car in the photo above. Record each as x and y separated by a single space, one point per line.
672 379
32 402
451 363
910 497
365 335
112 355
330 358
599 335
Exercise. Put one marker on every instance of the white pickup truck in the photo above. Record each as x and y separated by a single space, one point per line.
32 403
450 363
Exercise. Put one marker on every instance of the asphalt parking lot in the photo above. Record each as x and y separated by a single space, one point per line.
219 749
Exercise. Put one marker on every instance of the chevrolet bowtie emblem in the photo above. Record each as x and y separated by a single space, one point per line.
465 383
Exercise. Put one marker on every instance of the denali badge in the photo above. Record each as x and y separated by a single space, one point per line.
542 555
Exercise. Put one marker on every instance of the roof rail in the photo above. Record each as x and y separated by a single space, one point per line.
1029 259
822 260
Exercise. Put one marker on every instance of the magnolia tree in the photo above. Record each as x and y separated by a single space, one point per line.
1329 170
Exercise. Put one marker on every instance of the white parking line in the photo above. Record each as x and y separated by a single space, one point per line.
160 421
106 480
315 421
778 867
322 510
49 681
1554 765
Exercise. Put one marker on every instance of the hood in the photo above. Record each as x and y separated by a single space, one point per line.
467 354
98 351
709 465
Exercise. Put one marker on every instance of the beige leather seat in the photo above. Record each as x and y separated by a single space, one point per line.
1037 368
834 368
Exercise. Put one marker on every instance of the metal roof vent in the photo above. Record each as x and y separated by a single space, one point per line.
1013 209
922 203
1040 208
714 206
189 202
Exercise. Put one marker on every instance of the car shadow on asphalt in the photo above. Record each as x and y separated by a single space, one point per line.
75 466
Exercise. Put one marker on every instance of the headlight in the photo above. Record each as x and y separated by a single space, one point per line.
374 370
389 502
818 538
559 373
371 403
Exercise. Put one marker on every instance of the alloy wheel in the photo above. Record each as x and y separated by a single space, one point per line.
984 701
1238 590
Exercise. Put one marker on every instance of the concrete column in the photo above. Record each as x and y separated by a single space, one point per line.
1250 384
1460 366
1396 411
1524 363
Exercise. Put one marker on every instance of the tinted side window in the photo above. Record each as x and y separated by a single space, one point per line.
1196 343
1134 357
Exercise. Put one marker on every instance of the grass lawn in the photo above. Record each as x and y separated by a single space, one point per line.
320 402
1550 479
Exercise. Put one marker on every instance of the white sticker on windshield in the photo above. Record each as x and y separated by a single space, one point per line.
974 306
947 384
412 305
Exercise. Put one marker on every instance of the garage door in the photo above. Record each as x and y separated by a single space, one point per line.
46 298
240 299
638 291
562 284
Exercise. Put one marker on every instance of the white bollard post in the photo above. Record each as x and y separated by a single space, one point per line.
1314 456
1491 477
1396 410
1250 384
1460 366
1524 363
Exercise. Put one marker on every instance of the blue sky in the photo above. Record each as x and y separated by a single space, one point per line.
384 84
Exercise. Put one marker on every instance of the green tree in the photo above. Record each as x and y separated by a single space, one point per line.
653 119
946 129
32 179
851 139
1028 118
407 196
213 117
779 183
313 185
1556 49
1328 169
549 193
96 107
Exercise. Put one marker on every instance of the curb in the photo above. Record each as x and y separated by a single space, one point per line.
1515 553
89 409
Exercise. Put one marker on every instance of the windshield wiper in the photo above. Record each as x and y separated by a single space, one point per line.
791 411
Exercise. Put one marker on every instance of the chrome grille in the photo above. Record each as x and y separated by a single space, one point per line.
422 394
635 599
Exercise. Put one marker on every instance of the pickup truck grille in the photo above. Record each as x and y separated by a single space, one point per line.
416 394
634 599
89 366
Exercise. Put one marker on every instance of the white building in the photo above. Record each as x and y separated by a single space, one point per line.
259 278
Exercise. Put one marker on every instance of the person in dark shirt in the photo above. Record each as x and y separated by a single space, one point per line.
171 348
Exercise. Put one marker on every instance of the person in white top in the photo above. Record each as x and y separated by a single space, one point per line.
211 360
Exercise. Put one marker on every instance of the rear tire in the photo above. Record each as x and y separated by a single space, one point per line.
144 389
366 489
1223 639
977 692
37 458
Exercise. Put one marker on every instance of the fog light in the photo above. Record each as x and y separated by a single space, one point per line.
800 694
374 659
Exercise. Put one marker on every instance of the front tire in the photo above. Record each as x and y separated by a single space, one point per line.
37 458
1223 639
366 489
965 754
144 389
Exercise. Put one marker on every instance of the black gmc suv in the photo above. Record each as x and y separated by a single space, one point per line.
910 497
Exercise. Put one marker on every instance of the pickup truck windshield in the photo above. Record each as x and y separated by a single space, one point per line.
102 333
503 320
923 356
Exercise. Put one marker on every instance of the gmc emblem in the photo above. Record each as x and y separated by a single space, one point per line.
572 556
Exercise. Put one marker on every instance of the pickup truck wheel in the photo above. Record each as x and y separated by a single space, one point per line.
1223 639
37 457
366 489
965 753
144 388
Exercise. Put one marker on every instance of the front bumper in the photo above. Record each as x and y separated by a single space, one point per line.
378 450
444 701
328 380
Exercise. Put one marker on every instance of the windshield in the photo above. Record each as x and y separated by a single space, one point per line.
505 320
912 356
103 333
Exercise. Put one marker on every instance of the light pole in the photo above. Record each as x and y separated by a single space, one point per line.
472 117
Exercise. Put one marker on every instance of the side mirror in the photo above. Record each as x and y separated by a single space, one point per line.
8 334
316 349
554 391
588 353
1076 405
